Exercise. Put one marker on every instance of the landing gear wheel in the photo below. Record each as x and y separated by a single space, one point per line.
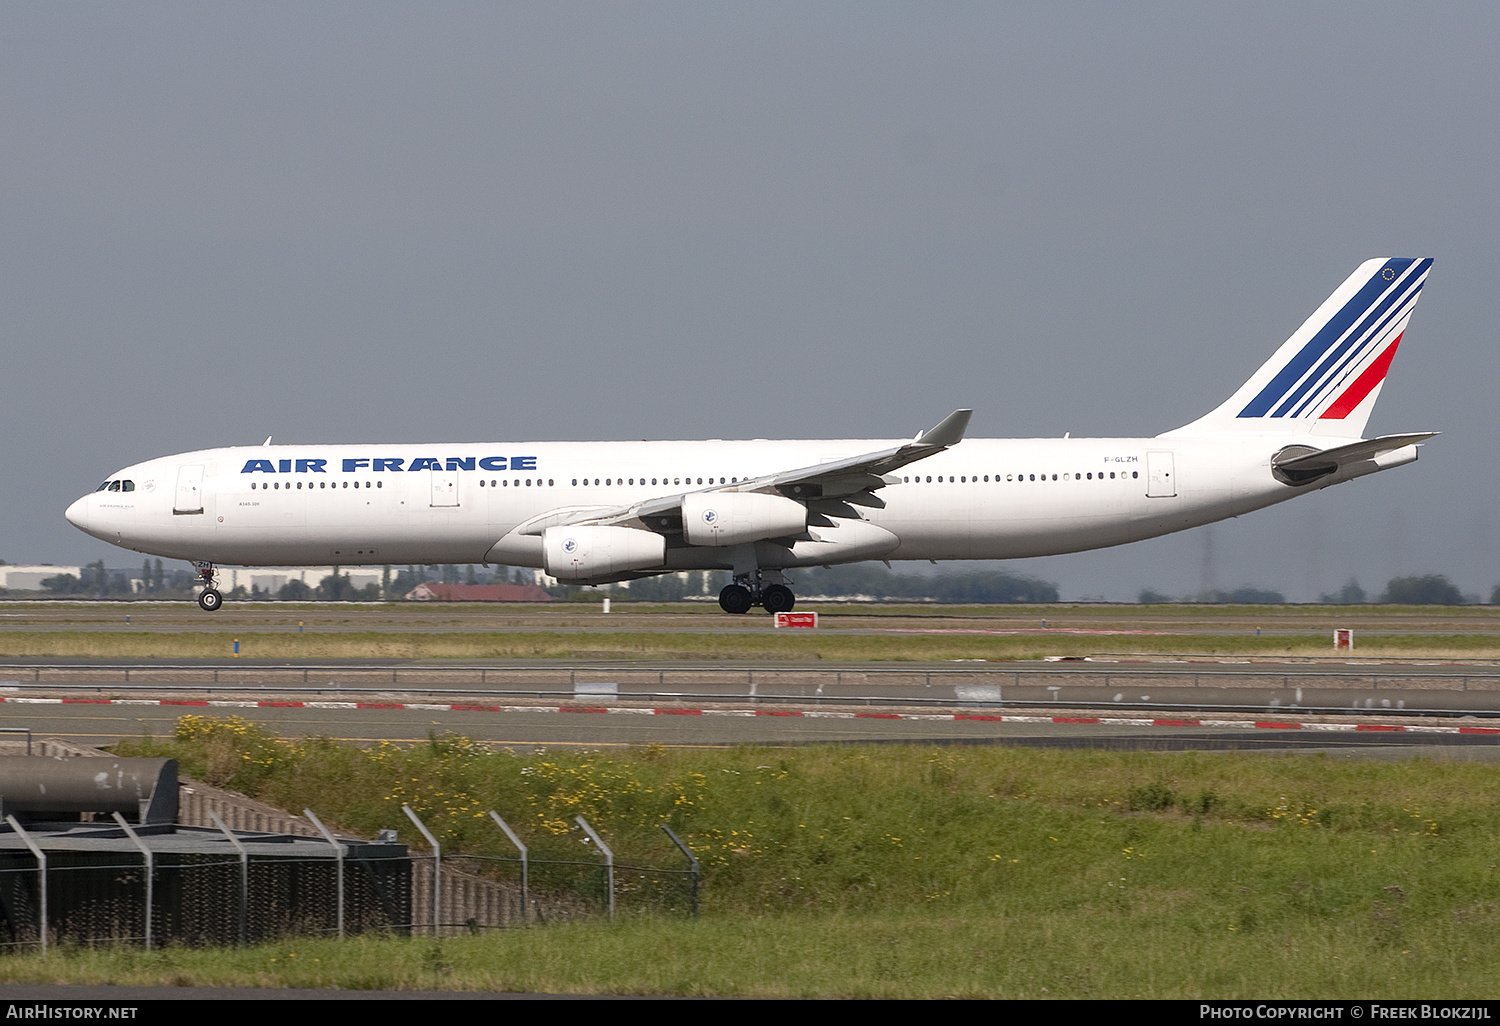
735 599
210 600
778 598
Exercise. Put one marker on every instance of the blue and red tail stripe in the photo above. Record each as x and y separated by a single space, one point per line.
1373 317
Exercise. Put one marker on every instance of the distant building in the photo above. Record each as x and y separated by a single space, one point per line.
478 593
30 578
271 579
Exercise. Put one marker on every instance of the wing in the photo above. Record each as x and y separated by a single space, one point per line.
829 489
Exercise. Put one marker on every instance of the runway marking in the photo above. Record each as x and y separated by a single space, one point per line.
1126 721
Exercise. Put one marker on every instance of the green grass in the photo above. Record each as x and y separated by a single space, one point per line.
906 871
1103 955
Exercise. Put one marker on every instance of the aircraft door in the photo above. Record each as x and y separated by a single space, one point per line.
444 488
189 497
1161 478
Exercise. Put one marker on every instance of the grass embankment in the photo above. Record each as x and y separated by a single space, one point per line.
909 871
772 646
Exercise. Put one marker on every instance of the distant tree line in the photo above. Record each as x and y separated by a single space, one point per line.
856 580
1414 590
873 580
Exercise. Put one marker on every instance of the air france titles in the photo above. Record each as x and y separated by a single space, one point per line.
391 464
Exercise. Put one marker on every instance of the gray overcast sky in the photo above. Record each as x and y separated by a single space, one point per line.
359 222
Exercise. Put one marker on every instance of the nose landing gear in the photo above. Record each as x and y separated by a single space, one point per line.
209 599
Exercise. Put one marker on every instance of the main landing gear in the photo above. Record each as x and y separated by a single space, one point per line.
209 599
749 590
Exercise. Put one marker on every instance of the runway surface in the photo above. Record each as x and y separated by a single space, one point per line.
101 722
1405 688
520 702
1114 625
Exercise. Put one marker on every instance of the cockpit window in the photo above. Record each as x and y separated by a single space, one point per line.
114 486
127 486
103 488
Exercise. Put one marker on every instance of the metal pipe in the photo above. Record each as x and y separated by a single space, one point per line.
338 856
692 863
525 866
437 865
150 870
41 860
609 861
244 874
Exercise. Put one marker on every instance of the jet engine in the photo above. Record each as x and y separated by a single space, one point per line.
583 553
734 518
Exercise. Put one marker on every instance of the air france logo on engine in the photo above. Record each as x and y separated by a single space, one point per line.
710 517
570 545
391 464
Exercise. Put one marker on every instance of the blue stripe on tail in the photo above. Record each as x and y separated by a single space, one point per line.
1367 304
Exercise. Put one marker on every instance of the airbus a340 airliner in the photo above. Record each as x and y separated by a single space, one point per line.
597 512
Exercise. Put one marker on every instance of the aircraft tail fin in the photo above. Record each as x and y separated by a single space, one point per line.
1324 380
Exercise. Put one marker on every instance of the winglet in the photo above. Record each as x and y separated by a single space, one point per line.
950 431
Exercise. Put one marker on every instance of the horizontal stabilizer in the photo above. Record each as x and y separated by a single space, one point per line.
1298 457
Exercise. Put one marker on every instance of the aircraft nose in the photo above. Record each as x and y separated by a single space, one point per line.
78 514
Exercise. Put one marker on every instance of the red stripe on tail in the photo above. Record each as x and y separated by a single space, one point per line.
1363 385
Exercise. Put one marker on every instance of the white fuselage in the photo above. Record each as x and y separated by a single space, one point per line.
461 503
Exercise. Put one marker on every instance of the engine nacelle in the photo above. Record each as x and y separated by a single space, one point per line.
734 518
582 553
